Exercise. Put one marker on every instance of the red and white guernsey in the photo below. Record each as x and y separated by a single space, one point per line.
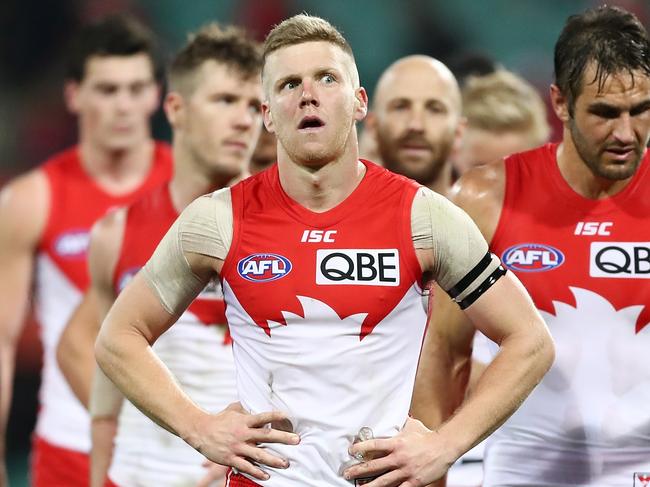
196 350
326 316
586 263
76 202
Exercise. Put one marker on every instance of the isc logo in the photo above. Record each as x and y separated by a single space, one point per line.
532 257
316 236
366 267
593 228
264 267
623 260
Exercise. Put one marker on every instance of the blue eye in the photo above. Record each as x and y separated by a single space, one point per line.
290 85
328 78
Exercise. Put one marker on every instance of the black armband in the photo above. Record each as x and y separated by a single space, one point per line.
468 282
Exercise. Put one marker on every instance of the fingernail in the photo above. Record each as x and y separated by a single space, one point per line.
266 476
285 464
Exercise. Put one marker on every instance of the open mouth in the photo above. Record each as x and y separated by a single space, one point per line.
310 123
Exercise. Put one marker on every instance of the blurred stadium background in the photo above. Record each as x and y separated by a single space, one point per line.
517 34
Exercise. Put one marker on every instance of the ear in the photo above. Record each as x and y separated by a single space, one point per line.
267 117
560 104
370 125
459 134
155 100
71 94
174 107
361 108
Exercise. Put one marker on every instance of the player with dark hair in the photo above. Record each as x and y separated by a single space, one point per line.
572 220
46 215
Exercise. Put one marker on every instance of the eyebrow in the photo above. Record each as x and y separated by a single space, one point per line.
606 107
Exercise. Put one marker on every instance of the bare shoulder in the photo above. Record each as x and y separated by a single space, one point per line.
105 243
24 208
480 193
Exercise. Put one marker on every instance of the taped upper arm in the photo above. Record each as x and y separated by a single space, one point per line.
191 252
458 254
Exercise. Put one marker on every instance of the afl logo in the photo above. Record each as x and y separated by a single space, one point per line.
73 243
264 267
531 257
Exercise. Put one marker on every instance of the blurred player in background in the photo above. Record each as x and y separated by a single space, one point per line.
415 123
214 108
45 220
504 114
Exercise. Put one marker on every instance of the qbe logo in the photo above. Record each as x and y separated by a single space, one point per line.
264 267
532 257
621 260
365 267
641 479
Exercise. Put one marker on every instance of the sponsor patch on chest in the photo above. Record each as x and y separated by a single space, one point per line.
365 267
620 260
264 267
72 244
532 257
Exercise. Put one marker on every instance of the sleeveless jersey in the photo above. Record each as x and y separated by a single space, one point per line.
76 202
326 316
196 350
586 263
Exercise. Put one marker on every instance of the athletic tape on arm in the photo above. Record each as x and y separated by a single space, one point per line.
463 266
204 227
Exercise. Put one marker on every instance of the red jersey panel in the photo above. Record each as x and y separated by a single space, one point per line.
586 263
147 222
326 316
77 202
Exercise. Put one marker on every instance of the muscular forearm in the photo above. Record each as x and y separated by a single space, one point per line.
440 382
101 454
522 361
128 360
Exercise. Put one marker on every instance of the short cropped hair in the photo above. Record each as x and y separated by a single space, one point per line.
116 35
304 28
228 45
610 37
504 102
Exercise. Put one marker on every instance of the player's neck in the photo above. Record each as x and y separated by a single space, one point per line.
191 180
580 178
441 184
321 189
117 171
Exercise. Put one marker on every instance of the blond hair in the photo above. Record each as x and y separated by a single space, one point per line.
303 28
306 28
504 102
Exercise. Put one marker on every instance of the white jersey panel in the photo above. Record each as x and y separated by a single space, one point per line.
148 455
597 393
328 381
62 419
